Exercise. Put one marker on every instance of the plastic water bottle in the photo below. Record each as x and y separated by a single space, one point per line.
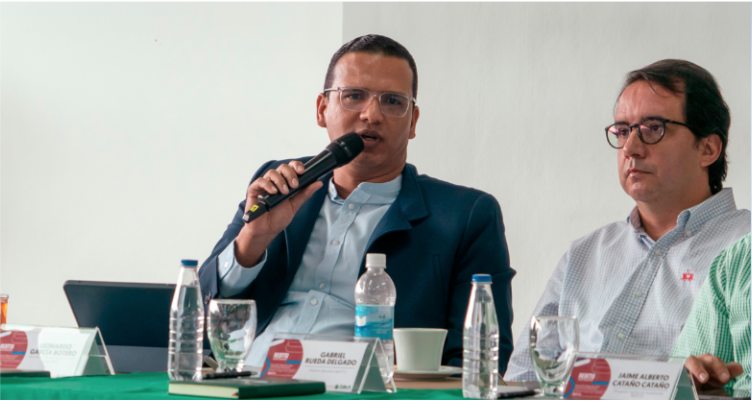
375 296
480 341
186 326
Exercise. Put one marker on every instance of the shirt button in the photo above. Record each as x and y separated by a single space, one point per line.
638 294
658 252
351 206
314 302
620 335
335 242
322 285
227 264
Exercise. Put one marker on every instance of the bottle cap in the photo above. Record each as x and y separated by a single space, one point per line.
376 260
189 262
481 278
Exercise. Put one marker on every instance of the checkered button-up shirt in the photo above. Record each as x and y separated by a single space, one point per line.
719 322
631 294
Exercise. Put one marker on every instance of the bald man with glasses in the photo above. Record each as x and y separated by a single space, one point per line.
632 283
300 261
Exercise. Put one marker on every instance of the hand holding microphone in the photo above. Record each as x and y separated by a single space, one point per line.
273 200
281 181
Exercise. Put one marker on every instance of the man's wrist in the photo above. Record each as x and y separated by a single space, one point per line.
250 247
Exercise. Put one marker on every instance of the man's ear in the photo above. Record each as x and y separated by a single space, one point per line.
414 122
711 147
321 103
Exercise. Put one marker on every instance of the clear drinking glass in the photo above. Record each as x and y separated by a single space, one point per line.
231 326
554 342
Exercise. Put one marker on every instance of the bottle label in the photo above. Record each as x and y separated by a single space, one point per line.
374 321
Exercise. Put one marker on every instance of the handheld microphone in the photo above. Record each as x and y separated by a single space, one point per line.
338 153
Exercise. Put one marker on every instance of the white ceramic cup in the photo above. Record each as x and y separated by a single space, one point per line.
419 349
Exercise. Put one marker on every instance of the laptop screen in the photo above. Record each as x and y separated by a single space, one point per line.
130 314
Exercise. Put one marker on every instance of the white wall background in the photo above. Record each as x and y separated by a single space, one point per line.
128 132
514 98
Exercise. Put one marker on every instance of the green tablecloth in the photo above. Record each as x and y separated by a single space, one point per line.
142 386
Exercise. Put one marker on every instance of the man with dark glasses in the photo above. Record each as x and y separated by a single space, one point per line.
632 283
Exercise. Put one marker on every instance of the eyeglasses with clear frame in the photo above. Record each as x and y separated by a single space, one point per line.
357 99
650 131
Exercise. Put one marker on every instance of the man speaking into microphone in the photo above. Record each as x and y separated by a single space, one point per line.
301 259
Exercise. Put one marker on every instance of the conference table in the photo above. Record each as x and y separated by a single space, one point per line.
153 386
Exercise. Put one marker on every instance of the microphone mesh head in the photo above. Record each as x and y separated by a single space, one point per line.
346 148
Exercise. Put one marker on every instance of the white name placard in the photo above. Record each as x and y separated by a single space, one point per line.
625 379
344 366
60 351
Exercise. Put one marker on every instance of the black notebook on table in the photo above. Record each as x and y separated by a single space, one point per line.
244 388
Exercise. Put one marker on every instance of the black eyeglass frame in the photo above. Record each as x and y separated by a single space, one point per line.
639 132
372 95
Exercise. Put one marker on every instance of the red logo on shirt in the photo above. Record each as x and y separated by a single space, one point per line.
688 276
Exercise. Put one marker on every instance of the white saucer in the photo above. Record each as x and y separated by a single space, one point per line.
444 371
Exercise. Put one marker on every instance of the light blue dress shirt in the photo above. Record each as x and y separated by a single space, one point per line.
321 299
631 294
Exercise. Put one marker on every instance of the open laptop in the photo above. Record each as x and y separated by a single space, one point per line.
134 319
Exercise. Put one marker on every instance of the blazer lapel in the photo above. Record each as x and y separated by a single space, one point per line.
299 231
409 206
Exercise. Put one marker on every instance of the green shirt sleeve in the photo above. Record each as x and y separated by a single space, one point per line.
719 322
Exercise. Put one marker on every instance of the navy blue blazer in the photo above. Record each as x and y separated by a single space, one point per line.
435 235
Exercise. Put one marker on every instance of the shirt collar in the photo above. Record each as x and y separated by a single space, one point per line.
369 192
692 219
